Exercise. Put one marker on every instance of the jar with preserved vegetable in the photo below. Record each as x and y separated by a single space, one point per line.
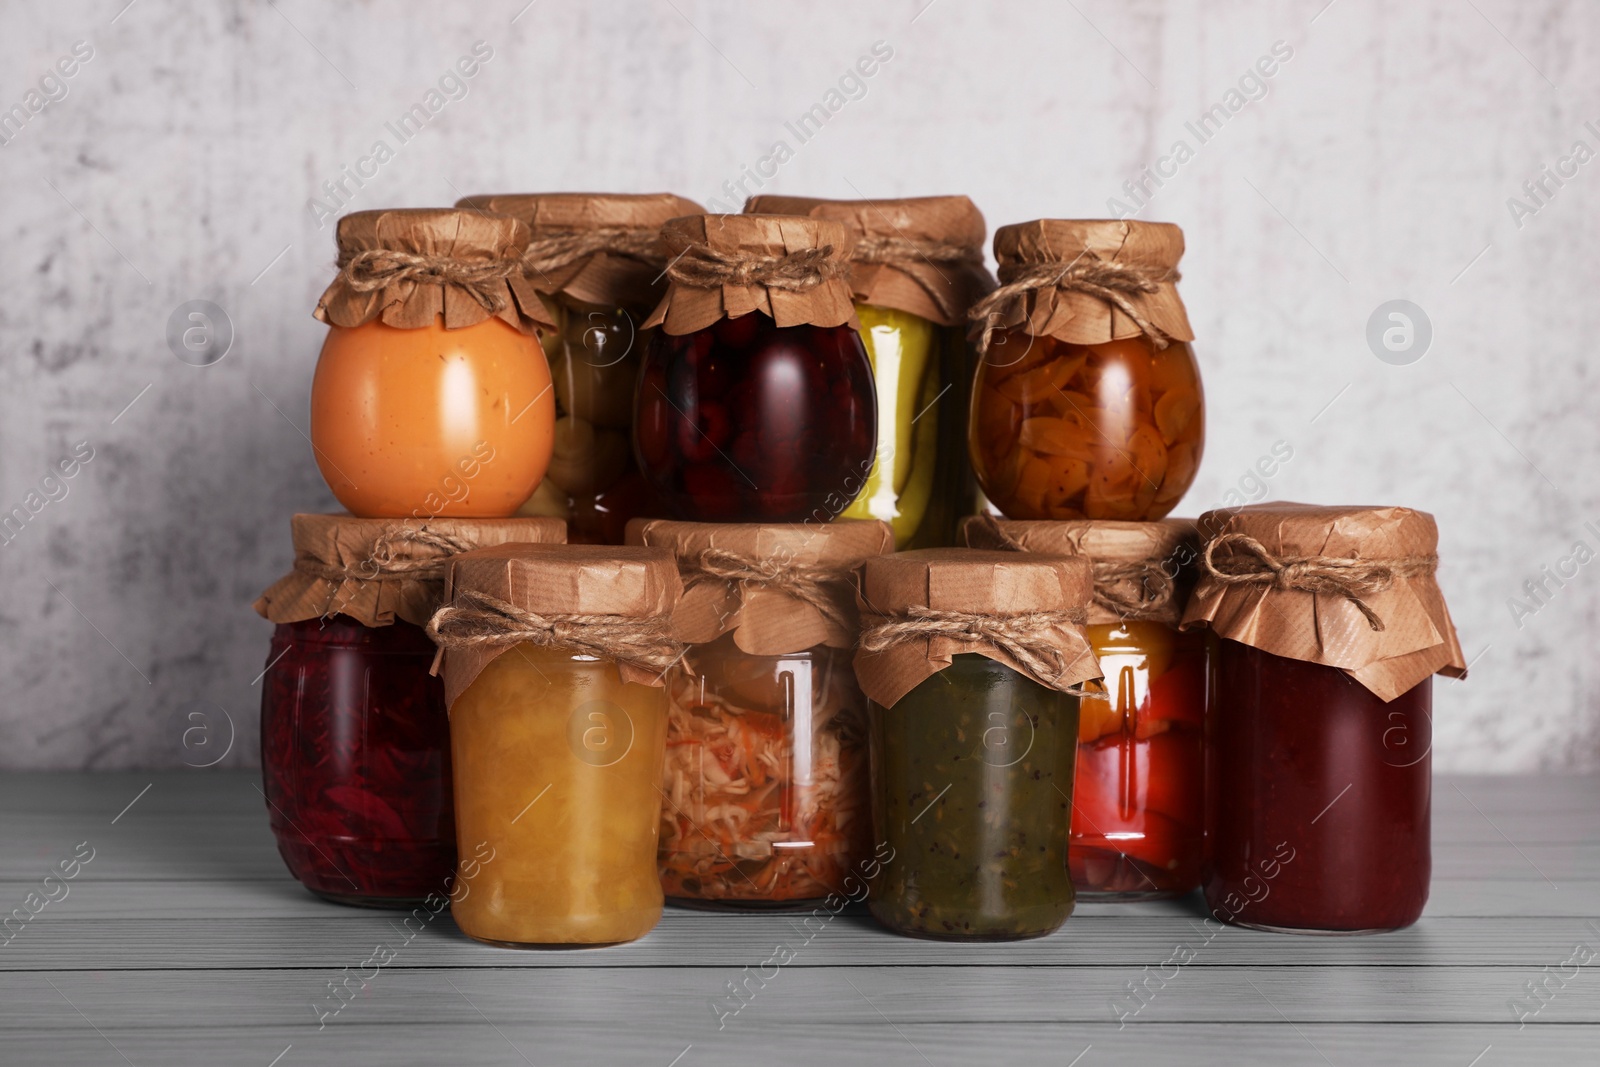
766 771
1087 402
1138 817
432 396
756 400
355 755
598 262
972 662
553 660
1331 625
916 268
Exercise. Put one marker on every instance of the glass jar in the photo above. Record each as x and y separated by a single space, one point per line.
424 402
1323 798
1138 820
916 267
559 765
766 777
1087 402
972 789
355 761
599 264
1105 431
553 661
749 421
1330 624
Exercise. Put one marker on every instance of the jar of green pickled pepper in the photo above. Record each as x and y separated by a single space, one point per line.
916 267
972 662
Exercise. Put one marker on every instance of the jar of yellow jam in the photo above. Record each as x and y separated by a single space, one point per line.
553 660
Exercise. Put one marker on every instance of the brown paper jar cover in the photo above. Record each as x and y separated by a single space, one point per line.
765 620
1418 638
687 308
324 543
1117 551
453 237
606 277
887 266
630 582
974 582
1076 317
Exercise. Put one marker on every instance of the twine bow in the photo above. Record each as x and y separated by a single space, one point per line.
557 250
819 587
1113 283
384 561
476 620
703 267
1141 589
1028 637
1351 579
377 268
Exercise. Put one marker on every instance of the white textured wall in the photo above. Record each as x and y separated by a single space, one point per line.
1378 166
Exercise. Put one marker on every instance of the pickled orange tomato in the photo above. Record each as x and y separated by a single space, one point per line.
417 423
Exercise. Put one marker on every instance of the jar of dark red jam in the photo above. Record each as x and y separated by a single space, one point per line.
1332 624
355 747
756 401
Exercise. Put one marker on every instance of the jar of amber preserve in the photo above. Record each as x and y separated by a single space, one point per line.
756 400
916 268
766 773
553 660
1087 402
971 661
1138 815
355 759
1331 625
432 395
598 262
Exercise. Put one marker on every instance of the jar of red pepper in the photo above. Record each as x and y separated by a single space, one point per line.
756 401
355 748
1332 625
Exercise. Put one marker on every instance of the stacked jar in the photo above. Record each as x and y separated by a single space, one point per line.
355 754
766 772
1138 818
973 662
431 421
553 660
597 261
915 270
1331 626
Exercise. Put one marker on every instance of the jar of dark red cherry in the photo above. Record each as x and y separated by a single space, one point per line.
1138 811
598 262
756 401
1331 625
355 745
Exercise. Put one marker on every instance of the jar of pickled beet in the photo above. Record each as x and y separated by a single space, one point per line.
972 661
1138 816
1331 625
1087 402
432 396
355 758
598 262
553 661
756 400
766 773
916 268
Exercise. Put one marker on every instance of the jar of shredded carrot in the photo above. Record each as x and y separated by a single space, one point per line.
765 785
1087 402
432 395
553 658
915 268
598 261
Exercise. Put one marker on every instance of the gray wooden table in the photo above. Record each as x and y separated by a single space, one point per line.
184 941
